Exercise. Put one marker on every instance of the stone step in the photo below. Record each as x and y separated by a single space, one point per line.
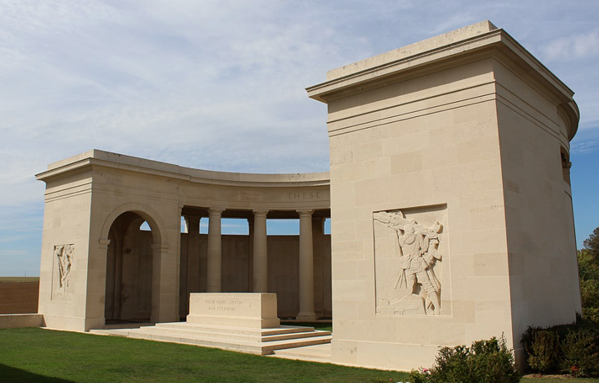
128 325
317 353
112 332
236 330
292 343
255 336
251 342
254 347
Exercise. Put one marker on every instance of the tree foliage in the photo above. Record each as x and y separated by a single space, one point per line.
588 265
592 244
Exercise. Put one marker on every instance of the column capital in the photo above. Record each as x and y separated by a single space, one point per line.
260 211
216 210
104 242
304 212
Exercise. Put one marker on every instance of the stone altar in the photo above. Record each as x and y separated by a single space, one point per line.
255 310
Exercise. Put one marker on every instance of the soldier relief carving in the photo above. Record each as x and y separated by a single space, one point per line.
64 261
415 289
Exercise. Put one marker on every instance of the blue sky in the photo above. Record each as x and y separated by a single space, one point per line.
220 85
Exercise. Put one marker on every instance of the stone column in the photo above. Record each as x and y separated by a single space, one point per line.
164 304
306 268
190 262
250 254
213 277
260 278
118 280
317 239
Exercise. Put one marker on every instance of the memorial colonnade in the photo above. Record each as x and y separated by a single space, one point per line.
98 264
311 223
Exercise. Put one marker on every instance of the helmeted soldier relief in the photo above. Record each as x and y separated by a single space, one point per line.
418 253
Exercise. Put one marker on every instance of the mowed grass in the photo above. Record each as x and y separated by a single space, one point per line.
18 279
562 379
37 355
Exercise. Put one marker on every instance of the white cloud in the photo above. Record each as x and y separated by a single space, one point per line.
584 147
218 84
573 47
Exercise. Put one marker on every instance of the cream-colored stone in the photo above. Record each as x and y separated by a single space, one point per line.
469 121
261 341
430 44
407 162
21 320
449 167
256 310
95 203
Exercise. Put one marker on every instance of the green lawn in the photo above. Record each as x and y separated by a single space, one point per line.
36 355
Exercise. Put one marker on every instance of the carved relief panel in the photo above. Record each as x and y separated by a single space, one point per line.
410 254
61 276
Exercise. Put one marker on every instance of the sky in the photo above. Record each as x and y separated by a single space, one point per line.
220 85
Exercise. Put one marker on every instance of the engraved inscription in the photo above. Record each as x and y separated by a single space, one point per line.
222 305
304 195
415 290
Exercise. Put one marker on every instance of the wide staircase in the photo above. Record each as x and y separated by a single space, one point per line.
263 341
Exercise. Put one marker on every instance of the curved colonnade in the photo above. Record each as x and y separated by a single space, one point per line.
96 201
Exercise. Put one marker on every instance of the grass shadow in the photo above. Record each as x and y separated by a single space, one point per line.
13 375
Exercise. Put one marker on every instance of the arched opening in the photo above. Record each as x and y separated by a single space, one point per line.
129 270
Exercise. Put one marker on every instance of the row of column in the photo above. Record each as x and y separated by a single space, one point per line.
260 265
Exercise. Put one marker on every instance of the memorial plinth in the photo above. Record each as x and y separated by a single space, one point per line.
254 310
244 322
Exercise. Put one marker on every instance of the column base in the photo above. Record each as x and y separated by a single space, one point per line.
306 317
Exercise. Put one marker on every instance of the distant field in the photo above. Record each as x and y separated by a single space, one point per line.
18 279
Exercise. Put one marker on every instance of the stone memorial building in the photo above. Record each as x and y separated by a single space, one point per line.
98 266
449 197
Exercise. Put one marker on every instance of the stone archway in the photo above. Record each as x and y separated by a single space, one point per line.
129 271
132 289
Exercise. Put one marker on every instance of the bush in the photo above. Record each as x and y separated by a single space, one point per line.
542 350
580 352
577 350
486 361
452 365
421 376
493 362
